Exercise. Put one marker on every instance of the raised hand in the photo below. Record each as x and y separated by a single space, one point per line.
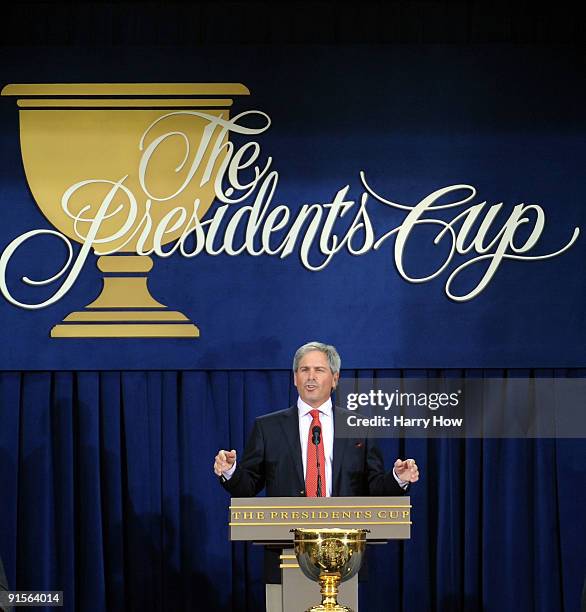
224 460
407 470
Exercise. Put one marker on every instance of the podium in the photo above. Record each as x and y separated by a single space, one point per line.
269 520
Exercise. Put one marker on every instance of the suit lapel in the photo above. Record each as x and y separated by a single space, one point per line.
290 425
340 445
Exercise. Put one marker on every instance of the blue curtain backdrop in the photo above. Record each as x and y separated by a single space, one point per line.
107 493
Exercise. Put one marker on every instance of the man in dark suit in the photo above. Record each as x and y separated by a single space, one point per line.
283 451
277 451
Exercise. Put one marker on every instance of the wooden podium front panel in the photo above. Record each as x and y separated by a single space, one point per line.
271 519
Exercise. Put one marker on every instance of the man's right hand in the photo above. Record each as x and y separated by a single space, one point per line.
224 461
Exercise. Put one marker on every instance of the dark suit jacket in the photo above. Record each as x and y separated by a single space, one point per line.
272 459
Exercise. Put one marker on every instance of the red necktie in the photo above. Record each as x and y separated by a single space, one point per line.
315 453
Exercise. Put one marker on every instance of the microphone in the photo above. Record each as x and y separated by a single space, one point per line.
316 433
316 438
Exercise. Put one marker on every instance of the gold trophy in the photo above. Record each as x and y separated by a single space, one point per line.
330 556
84 143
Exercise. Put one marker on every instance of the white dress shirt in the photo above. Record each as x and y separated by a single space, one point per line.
327 431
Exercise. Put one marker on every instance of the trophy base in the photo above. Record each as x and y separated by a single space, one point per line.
329 583
125 324
125 308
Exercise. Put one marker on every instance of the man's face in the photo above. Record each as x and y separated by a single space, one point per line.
314 379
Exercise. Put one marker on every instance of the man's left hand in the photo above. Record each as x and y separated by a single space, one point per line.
406 470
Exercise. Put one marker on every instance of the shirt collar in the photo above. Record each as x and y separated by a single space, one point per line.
325 408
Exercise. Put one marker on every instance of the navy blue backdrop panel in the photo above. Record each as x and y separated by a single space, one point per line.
108 493
506 119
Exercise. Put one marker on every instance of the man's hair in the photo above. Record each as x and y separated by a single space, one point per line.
329 350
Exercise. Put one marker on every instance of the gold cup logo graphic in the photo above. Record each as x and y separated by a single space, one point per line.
136 155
